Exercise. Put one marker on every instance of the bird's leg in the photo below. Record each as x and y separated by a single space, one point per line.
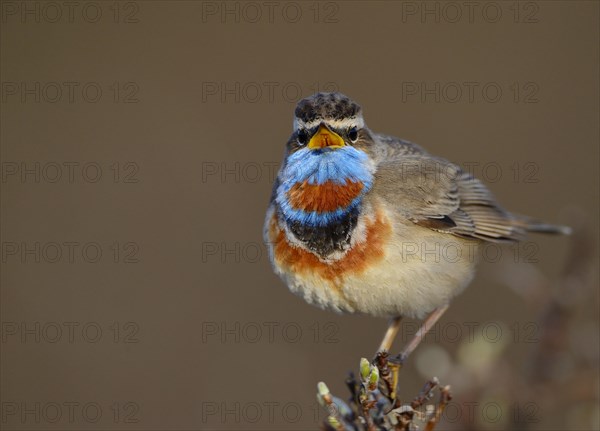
390 366
390 335
428 323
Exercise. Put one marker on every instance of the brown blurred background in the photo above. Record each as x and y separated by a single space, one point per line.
139 143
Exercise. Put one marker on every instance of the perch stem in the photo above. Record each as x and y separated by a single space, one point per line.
423 330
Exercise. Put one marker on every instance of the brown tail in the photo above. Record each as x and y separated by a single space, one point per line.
531 225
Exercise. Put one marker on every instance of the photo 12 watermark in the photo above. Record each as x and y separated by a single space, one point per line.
69 332
69 172
453 332
269 332
489 92
262 91
68 412
270 12
70 12
70 252
69 92
469 12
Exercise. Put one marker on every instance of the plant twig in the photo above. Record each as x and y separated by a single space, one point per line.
425 394
445 398
388 373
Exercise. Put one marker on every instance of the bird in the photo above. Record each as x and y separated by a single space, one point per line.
363 222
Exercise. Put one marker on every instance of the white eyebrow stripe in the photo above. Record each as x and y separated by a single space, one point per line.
344 123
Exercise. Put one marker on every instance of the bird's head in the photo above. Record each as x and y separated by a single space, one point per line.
327 168
327 121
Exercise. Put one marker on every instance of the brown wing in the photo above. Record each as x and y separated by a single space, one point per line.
437 194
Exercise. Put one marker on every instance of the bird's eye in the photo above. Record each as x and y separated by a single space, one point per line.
302 137
353 135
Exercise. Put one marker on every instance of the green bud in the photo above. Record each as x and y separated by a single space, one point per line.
323 394
373 378
322 389
365 368
334 422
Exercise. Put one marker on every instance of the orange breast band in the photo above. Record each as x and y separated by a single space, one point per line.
325 197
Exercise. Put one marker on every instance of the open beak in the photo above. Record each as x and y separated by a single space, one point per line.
325 138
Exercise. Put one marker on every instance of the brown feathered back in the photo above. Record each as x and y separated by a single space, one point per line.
437 194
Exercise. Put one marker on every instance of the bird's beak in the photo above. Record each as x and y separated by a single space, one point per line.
325 138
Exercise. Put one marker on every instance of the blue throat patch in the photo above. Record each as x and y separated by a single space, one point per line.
318 167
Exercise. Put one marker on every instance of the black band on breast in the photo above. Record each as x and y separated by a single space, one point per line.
324 240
